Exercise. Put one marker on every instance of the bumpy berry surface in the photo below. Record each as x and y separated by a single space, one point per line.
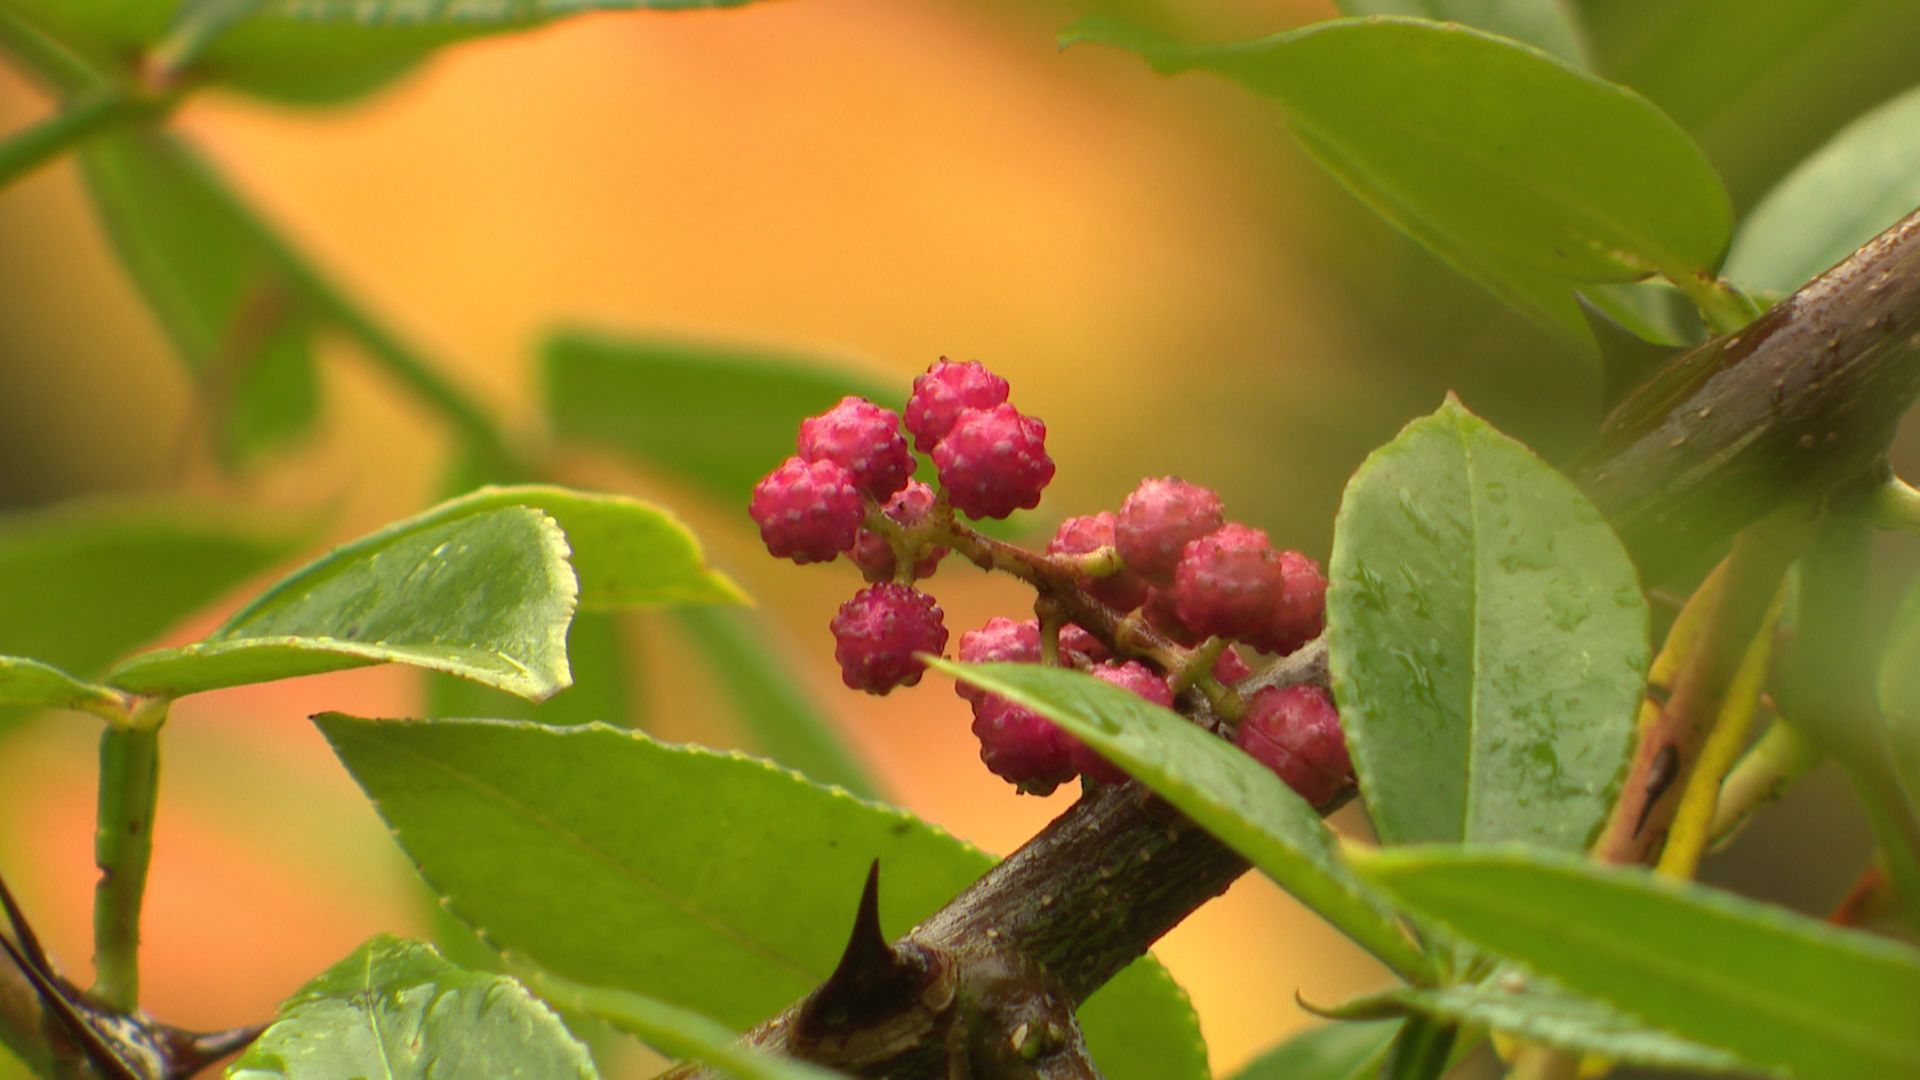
1001 640
1301 610
1123 591
1021 746
1230 668
808 511
865 440
908 508
877 633
946 390
1295 731
994 462
1228 582
1157 522
1131 675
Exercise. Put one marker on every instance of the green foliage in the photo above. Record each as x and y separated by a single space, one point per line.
85 583
674 1031
482 587
665 403
1552 26
37 685
1865 179
396 1009
1528 174
1336 1051
1900 691
597 655
1487 638
1223 789
1779 990
770 699
217 283
486 597
593 884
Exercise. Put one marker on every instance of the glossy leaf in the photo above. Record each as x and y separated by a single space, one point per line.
33 684
484 596
1487 638
770 699
627 552
1232 796
662 402
675 1031
599 656
396 1009
1781 991
219 288
1516 1006
1493 145
1864 180
1343 1050
1552 26
83 583
714 882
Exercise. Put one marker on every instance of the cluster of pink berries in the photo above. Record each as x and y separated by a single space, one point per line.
1168 559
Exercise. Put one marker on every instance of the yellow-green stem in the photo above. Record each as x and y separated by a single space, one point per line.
46 59
1762 775
65 130
123 849
1723 308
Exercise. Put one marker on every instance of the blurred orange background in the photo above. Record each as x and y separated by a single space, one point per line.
1163 278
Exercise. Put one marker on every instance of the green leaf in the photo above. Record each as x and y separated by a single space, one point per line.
1552 26
1538 1013
1781 991
628 553
396 1009
1654 311
1487 638
83 583
1495 146
599 657
1336 1051
241 324
674 1031
770 700
43 686
1228 793
663 403
727 889
486 596
1862 181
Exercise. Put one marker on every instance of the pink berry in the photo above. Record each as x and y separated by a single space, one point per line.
1131 675
1123 591
1295 731
865 439
943 393
1157 522
993 462
908 508
807 511
1300 612
1021 746
1161 614
1001 640
1228 582
877 633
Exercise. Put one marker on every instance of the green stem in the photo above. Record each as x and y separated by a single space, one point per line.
1722 307
1763 774
49 61
123 848
66 130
